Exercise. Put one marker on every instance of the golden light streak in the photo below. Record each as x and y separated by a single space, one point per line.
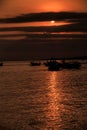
54 96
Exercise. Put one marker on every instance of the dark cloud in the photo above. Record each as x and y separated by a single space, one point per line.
74 27
78 22
33 17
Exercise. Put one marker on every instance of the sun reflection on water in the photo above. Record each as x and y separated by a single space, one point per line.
54 98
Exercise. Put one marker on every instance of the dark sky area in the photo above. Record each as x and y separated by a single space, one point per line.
42 29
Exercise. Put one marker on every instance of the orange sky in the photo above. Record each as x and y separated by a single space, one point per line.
11 8
19 41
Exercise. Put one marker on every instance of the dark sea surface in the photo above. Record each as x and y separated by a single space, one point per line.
33 98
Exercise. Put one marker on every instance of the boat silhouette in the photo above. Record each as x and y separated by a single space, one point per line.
35 63
53 65
70 65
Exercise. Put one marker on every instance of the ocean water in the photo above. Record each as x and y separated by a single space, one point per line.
33 98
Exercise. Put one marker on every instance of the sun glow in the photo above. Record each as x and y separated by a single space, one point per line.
52 21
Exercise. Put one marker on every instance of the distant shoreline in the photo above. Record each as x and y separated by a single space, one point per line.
65 58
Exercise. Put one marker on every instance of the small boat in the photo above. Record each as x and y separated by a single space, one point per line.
50 62
35 63
53 65
70 65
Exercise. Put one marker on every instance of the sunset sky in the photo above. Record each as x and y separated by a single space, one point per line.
10 8
40 28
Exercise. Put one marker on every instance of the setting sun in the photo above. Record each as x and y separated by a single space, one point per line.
52 21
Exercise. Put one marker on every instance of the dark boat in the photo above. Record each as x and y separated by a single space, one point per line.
53 65
35 63
50 62
70 65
